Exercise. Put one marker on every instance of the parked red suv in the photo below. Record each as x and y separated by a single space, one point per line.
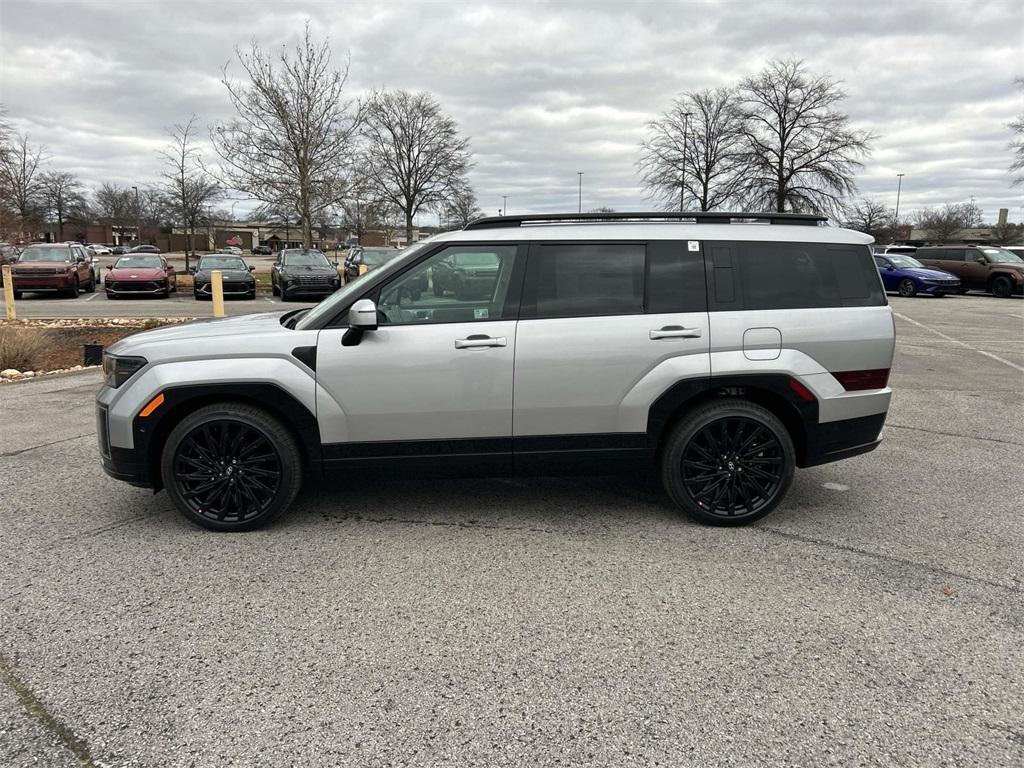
64 268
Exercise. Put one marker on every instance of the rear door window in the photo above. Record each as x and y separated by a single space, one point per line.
584 279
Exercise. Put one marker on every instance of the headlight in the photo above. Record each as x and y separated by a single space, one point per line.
117 370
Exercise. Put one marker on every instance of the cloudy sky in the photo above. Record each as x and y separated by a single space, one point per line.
542 90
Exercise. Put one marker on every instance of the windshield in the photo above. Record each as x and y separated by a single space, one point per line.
138 262
907 262
56 255
350 291
378 256
221 262
999 256
304 259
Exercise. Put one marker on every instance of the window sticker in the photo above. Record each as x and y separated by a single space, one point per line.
480 314
693 245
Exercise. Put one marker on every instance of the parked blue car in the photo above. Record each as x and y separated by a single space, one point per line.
909 277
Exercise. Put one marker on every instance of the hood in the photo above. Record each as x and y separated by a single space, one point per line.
42 264
264 322
141 273
229 274
311 270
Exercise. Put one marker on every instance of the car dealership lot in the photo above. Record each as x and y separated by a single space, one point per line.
181 304
875 618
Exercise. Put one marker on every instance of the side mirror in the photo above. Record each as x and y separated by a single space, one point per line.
110 266
363 315
252 269
191 270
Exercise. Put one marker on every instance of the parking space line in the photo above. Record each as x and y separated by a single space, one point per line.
961 343
91 296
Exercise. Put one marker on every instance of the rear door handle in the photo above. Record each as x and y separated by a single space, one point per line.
475 341
676 332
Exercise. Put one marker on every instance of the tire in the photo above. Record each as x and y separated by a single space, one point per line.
907 288
17 294
1001 287
285 296
91 287
72 291
961 291
241 486
274 290
696 468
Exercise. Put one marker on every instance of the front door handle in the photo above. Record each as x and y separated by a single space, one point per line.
475 341
676 332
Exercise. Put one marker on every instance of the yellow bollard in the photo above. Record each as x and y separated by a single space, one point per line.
217 286
9 293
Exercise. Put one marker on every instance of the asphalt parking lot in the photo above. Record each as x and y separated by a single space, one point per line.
876 618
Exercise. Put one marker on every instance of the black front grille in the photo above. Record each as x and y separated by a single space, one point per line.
324 280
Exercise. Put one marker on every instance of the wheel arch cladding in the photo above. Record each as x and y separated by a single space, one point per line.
769 391
150 434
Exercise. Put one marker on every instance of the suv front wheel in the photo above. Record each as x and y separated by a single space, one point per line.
728 462
231 467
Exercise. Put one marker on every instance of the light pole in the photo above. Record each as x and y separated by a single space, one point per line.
138 218
504 204
896 216
580 201
682 176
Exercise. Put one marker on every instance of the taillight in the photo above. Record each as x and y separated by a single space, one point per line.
855 380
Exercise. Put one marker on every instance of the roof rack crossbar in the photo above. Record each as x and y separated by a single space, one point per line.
700 217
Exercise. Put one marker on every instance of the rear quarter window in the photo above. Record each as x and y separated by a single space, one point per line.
759 275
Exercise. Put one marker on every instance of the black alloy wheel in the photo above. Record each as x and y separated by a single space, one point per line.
728 462
1002 288
231 467
732 466
907 288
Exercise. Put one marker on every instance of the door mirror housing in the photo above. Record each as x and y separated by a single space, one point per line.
110 266
363 315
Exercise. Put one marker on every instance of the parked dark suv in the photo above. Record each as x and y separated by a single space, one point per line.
301 272
64 268
979 267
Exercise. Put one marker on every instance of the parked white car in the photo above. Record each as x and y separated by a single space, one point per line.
98 250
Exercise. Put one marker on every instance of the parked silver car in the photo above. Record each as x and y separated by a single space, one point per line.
724 353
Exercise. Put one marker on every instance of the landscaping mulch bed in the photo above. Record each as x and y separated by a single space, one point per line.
59 344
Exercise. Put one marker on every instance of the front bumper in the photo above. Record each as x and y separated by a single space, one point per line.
125 464
41 282
230 289
942 289
140 288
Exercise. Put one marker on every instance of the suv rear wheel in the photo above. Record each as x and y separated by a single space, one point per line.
231 467
728 462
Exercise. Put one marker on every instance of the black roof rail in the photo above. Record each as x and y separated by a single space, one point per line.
700 217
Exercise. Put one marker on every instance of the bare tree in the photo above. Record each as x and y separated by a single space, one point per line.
872 218
188 186
291 141
63 198
802 153
114 204
461 208
943 224
697 146
21 178
414 157
1017 144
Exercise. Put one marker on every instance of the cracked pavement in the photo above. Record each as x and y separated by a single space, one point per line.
876 618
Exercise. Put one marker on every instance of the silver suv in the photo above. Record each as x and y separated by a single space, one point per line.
723 349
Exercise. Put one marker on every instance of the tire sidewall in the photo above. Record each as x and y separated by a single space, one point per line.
912 290
690 425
